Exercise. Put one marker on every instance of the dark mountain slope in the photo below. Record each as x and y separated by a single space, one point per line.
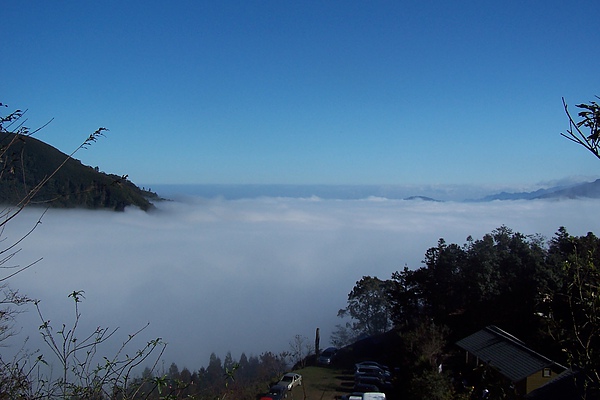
588 190
581 190
520 195
28 161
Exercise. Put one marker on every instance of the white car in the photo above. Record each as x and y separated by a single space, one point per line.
373 396
290 380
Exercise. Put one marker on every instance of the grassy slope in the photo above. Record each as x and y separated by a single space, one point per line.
332 382
322 383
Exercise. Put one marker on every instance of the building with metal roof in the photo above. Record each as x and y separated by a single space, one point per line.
503 353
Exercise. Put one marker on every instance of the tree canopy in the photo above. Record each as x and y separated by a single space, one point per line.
545 292
368 309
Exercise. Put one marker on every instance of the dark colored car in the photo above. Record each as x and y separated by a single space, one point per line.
374 381
327 355
365 387
383 368
277 392
371 371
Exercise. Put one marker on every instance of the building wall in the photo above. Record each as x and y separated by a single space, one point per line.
538 379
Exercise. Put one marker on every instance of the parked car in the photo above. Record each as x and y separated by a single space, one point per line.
290 380
373 396
374 381
375 363
369 370
383 368
327 356
365 387
277 392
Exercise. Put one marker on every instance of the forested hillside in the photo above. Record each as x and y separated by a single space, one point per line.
545 293
26 161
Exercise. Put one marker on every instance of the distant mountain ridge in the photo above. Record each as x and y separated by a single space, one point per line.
585 190
421 198
28 161
429 193
581 190
305 191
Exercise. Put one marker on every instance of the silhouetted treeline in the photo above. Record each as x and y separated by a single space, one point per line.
242 379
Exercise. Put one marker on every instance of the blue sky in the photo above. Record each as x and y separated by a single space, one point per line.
335 92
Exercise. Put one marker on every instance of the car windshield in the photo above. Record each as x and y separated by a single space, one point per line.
286 378
368 370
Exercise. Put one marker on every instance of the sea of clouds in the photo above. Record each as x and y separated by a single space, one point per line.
246 275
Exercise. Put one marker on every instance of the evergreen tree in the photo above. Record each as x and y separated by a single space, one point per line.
369 307
573 308
214 373
173 372
228 363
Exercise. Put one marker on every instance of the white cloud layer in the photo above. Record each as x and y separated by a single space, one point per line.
246 275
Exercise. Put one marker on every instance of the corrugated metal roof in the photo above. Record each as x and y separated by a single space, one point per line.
505 353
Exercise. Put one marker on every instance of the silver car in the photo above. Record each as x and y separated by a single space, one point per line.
290 380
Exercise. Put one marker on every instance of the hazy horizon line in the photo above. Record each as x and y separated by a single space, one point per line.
345 191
